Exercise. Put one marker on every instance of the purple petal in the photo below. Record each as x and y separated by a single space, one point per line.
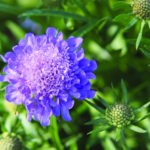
74 43
3 58
91 94
30 39
51 32
65 113
10 89
69 104
56 110
10 55
90 75
80 54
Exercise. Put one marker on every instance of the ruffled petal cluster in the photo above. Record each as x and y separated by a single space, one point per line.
45 73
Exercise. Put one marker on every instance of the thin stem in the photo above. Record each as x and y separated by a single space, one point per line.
124 144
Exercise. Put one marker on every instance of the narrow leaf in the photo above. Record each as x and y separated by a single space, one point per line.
88 27
120 5
137 129
140 34
125 92
114 94
118 134
10 9
131 24
96 121
146 53
142 107
103 101
101 110
57 13
143 117
100 129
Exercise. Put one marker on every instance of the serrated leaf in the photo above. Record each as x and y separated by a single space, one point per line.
57 13
88 27
125 92
101 110
96 121
100 129
140 34
137 129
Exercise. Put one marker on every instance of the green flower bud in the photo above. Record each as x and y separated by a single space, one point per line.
119 115
10 143
141 9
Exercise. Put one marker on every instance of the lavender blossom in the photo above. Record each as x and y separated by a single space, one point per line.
45 73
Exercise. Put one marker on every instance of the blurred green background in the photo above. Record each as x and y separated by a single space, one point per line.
106 42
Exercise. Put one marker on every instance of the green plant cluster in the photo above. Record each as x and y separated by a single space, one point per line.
119 40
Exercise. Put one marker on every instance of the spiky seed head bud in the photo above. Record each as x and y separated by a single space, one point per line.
141 9
10 143
119 115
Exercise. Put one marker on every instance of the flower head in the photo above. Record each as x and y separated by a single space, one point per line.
141 8
10 143
119 115
45 72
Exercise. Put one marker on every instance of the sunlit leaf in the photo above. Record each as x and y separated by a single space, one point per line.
118 134
142 107
137 129
140 34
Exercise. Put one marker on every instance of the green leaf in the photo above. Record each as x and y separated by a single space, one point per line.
125 92
96 121
15 29
103 101
10 9
100 129
137 129
88 27
57 13
140 34
101 110
121 5
146 53
123 19
130 24
114 94
143 117
142 107
118 133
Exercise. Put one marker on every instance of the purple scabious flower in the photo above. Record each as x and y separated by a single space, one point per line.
45 73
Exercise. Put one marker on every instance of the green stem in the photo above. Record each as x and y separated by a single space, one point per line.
124 144
55 133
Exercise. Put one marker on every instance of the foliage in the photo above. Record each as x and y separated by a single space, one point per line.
111 35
